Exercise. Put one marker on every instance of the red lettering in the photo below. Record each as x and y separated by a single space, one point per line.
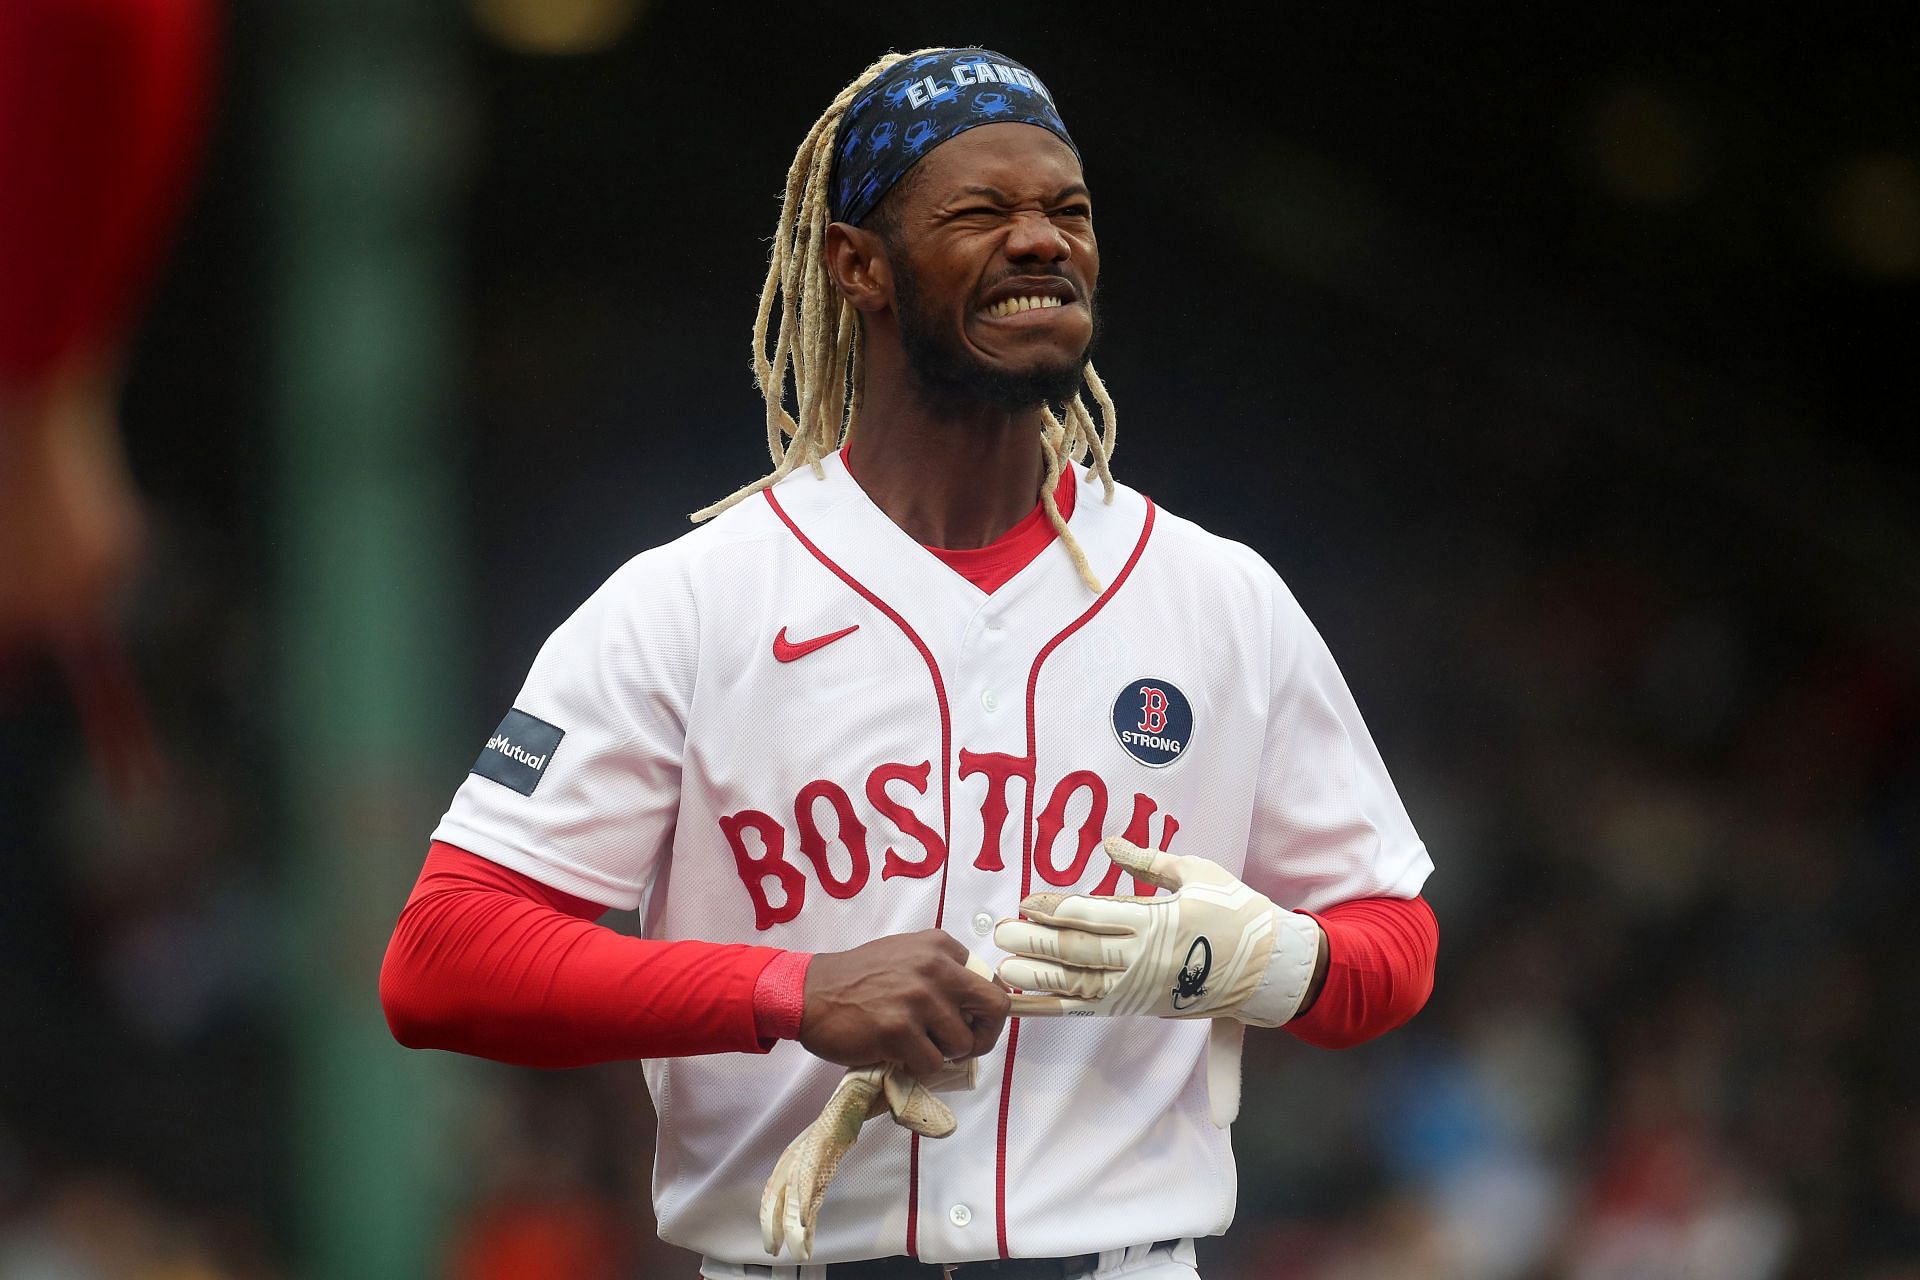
915 776
998 767
754 871
759 842
1136 833
852 834
1054 818
1153 709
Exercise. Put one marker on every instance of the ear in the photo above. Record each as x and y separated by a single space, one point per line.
857 260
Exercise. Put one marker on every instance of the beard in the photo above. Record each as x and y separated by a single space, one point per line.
952 374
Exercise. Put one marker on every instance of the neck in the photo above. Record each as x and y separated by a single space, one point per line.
951 475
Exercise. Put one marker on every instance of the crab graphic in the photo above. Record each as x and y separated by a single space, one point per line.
897 93
918 134
881 138
991 104
852 144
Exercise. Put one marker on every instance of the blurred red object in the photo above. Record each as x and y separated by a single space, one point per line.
565 1239
102 107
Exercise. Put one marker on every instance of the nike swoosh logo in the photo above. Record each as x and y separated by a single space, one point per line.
785 650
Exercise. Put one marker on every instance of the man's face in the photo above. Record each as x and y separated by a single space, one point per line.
994 261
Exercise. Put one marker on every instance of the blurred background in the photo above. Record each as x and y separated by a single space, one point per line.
1562 360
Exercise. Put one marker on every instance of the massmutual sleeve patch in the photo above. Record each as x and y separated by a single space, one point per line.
518 752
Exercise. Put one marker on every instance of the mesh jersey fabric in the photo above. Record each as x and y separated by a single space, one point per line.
880 784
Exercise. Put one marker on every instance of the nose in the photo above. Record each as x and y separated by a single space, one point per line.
1033 238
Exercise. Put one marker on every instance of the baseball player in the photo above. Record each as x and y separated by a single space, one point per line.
936 697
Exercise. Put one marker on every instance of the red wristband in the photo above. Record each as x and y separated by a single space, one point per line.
779 996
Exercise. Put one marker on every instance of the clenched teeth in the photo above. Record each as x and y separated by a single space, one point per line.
1013 306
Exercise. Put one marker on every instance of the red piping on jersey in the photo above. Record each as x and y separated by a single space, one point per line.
1026 866
946 800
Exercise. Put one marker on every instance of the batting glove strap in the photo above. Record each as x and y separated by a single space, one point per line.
1289 971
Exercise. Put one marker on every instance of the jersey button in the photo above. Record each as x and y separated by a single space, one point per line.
959 1215
990 700
982 923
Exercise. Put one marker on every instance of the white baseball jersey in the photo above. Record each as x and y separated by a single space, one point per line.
797 727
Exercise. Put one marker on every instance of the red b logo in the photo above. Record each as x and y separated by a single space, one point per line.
1153 710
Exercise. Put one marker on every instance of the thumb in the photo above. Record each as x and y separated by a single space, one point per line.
1150 865
914 1107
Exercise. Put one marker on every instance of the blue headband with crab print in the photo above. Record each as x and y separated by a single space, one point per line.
919 104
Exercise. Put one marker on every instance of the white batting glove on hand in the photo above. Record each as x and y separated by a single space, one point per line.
1214 948
1201 952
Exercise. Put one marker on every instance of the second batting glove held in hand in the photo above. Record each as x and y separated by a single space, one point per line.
790 1205
1214 948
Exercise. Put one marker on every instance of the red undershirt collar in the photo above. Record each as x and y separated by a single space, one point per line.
992 566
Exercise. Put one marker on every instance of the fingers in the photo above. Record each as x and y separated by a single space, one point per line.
976 994
1033 1005
1060 980
1168 870
803 1201
946 943
922 1056
950 1034
1115 916
986 1027
984 1005
905 998
1070 943
915 1108
1150 865
773 1200
963 1020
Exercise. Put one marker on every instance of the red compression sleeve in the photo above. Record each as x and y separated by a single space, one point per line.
1380 958
490 962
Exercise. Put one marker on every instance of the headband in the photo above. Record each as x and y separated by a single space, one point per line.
919 104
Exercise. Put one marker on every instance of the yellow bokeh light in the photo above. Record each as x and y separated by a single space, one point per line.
1873 213
1646 145
553 27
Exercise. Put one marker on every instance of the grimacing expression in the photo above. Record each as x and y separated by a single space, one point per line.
994 260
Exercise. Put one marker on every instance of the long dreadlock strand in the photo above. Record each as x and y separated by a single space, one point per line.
815 354
817 341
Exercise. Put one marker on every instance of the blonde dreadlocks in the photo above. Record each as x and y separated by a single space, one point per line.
818 338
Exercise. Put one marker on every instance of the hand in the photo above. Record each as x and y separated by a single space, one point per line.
69 515
1212 949
908 998
1201 952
